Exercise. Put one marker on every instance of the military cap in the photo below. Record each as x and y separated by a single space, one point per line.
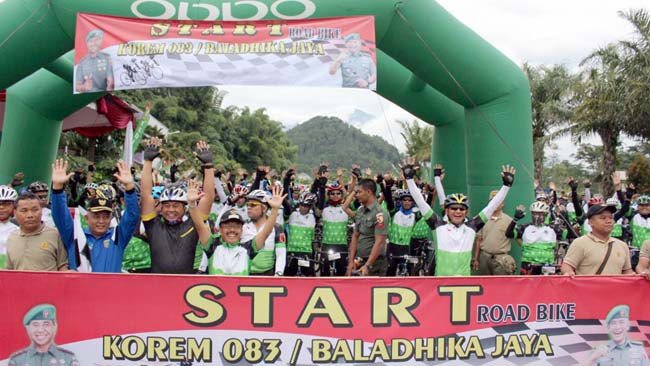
40 312
620 311
352 36
94 33
100 204
231 215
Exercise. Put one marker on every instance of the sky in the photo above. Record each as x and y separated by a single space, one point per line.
537 32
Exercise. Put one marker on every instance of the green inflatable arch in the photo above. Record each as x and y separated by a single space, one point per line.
428 62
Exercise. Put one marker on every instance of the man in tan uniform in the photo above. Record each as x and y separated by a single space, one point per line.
597 253
492 256
36 246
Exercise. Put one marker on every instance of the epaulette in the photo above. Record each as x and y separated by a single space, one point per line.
18 353
637 343
66 351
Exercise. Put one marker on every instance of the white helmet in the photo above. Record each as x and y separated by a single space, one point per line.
8 194
258 195
173 193
613 202
539 206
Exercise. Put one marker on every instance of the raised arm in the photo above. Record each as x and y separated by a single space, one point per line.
514 231
60 214
204 154
508 178
438 175
131 218
275 203
193 197
152 151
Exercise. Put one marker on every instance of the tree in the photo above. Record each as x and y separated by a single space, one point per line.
550 100
599 110
418 140
636 67
639 173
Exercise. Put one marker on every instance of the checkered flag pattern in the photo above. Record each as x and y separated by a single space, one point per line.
181 69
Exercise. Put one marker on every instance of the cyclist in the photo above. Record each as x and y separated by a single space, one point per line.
271 259
172 240
102 245
40 189
539 240
229 253
300 235
8 198
454 240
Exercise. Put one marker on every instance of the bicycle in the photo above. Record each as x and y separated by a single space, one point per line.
332 259
403 265
303 262
140 72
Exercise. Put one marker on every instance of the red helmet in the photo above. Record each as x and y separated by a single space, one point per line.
240 190
334 187
595 201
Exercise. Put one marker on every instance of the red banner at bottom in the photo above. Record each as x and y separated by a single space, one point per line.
120 320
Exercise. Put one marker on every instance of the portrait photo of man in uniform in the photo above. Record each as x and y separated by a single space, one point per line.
358 70
41 327
95 71
619 350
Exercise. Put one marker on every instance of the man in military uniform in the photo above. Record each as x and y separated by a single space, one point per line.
41 326
357 68
95 71
370 231
619 351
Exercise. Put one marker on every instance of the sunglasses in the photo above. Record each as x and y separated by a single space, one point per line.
253 204
457 208
334 193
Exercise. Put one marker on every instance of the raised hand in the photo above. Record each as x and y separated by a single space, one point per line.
572 183
520 212
409 169
152 150
124 175
438 171
193 192
60 175
276 200
356 171
368 173
616 179
339 172
551 186
203 153
586 183
508 175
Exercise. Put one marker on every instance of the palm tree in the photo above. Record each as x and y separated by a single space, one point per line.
600 110
418 140
551 88
636 66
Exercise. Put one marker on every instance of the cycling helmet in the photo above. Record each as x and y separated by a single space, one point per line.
157 191
613 202
240 190
8 194
258 195
597 201
307 198
538 206
37 187
541 195
456 199
334 187
91 186
173 193
644 200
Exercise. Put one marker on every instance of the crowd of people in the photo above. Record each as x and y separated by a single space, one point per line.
268 224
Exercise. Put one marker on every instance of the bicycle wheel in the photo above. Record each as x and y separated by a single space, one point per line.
157 73
125 79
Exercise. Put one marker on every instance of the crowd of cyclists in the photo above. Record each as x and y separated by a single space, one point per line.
233 223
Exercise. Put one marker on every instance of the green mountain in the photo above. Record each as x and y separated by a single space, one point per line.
332 140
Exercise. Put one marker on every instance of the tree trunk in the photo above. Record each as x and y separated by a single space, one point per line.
538 159
91 149
610 142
